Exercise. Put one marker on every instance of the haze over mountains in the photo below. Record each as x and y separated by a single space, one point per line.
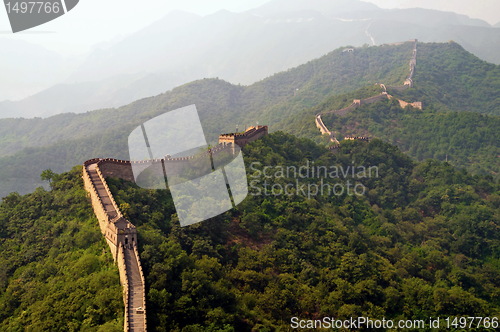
27 68
286 101
486 10
242 48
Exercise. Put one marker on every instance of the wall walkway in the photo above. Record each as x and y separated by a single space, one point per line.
121 237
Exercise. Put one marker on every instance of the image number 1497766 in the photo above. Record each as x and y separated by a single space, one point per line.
25 15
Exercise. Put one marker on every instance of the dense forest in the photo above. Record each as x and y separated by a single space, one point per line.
57 273
416 238
421 239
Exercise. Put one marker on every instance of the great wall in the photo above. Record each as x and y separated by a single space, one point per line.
408 83
121 235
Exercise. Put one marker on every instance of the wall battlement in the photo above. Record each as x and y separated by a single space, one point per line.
357 138
324 130
370 100
334 148
241 139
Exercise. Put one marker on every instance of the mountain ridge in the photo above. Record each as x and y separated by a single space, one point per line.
252 48
286 100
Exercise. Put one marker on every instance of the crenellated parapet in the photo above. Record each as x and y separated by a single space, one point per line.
122 269
324 130
241 139
357 138
370 100
417 104
413 63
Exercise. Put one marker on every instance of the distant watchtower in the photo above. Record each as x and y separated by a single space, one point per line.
241 139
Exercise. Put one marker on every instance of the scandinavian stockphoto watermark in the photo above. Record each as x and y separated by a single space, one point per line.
310 180
172 149
25 14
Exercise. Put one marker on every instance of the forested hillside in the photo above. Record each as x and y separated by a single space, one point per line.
57 273
422 242
238 47
27 147
452 78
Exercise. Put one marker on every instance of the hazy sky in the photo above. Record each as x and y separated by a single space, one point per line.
488 10
98 21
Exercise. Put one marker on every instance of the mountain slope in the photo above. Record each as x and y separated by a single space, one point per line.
222 104
456 80
64 140
284 101
422 242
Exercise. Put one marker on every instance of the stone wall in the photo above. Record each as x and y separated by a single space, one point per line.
96 201
345 110
142 278
417 104
324 130
117 230
122 269
357 138
116 169
242 139
370 100
413 63
120 234
321 126
384 95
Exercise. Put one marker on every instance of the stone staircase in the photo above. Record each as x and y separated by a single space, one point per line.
121 237
136 304
101 191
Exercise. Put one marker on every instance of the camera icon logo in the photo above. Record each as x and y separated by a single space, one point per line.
172 149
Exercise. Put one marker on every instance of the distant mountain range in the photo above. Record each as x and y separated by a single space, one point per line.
447 78
242 48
